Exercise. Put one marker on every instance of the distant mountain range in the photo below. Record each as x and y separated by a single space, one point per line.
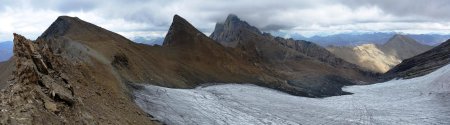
6 50
355 39
149 40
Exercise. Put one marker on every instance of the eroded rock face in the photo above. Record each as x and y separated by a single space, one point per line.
36 87
56 82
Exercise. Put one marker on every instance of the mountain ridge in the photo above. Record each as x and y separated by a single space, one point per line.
304 64
403 47
381 58
421 64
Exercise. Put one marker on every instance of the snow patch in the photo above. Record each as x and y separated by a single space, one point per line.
421 100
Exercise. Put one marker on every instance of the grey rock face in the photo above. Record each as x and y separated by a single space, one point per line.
227 32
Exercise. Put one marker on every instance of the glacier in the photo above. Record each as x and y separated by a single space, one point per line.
422 101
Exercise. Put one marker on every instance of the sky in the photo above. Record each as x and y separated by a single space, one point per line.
152 18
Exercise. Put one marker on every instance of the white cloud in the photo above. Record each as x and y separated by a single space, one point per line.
133 18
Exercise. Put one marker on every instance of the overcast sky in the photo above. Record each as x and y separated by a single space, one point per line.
152 18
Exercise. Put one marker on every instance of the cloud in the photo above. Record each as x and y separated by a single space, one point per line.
436 10
133 18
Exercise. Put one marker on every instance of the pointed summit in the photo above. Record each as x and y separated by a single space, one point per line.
401 39
227 32
181 32
403 47
77 29
60 26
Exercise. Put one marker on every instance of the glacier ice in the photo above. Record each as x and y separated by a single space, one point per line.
421 100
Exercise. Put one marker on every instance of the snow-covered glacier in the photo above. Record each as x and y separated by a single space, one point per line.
423 100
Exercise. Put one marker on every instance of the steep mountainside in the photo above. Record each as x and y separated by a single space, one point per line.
367 56
304 64
421 64
403 47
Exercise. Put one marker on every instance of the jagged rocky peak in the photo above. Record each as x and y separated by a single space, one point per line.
181 32
38 87
228 31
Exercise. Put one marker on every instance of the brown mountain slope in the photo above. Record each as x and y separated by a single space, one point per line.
305 65
381 58
367 56
188 58
421 64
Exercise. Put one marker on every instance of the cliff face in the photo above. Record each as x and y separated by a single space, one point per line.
227 32
37 88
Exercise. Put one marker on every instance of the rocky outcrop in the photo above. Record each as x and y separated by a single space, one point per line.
54 83
421 64
37 87
227 32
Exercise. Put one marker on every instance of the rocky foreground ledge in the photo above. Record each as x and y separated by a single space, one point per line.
46 88
36 88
